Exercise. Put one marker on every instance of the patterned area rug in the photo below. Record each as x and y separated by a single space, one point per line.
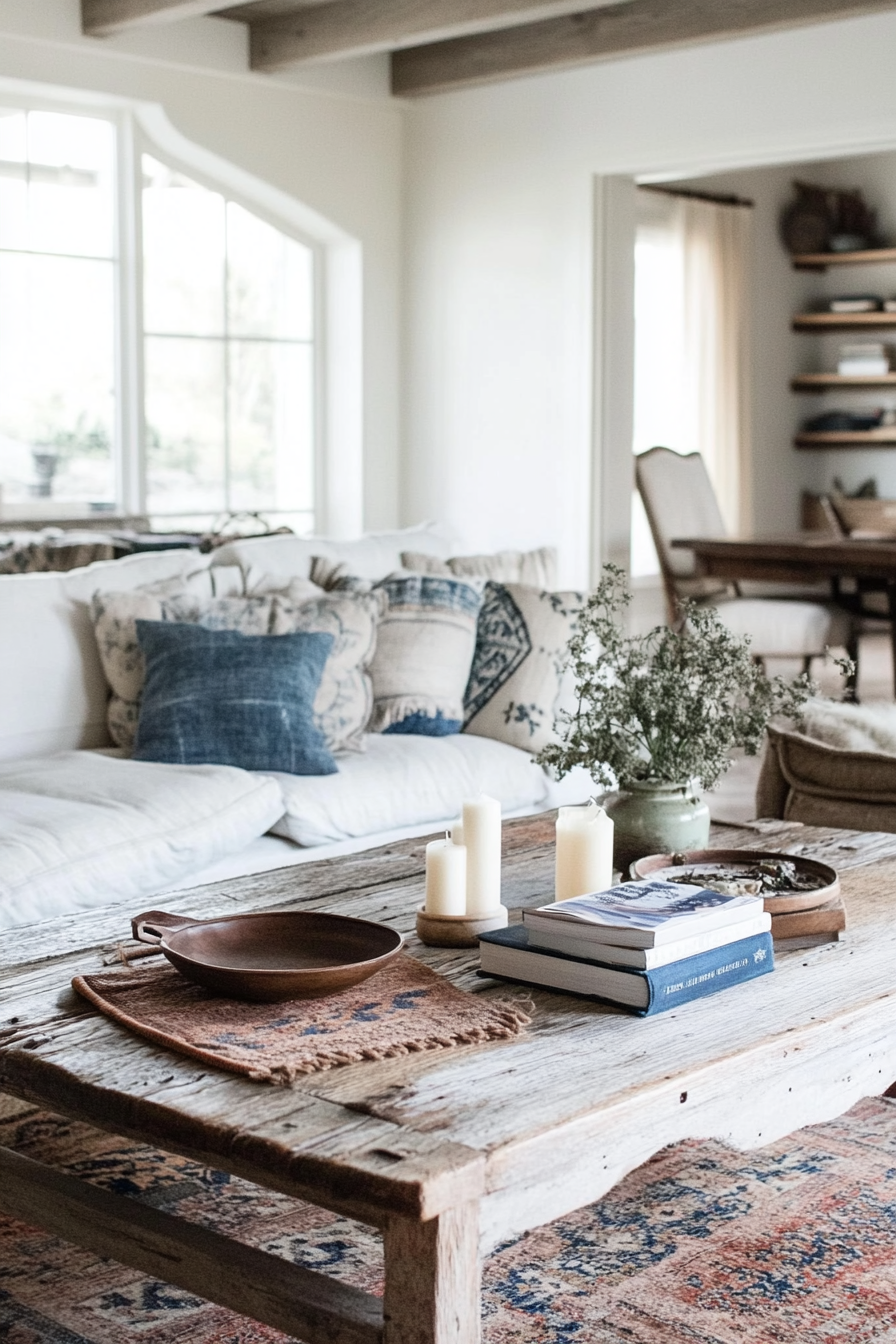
793 1244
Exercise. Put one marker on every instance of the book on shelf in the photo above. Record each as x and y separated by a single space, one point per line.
861 360
507 954
643 914
863 368
855 303
568 941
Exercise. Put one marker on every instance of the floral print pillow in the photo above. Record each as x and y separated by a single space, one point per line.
115 615
516 679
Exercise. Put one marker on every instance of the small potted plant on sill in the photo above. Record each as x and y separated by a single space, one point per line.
658 715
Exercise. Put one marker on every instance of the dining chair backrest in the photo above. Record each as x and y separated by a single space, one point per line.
679 501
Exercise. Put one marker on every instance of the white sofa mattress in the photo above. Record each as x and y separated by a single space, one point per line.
82 829
406 780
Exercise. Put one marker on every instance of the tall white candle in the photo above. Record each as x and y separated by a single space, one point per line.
446 878
584 857
482 838
457 832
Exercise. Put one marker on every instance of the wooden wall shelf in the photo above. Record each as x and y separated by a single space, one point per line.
844 438
821 382
842 321
820 261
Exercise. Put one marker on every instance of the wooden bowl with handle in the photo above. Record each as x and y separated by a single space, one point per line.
271 956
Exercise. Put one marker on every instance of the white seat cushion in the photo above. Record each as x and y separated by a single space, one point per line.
83 829
781 629
406 781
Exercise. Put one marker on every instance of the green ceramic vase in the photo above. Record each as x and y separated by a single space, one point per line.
655 819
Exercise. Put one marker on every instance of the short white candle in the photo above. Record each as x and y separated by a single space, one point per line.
457 832
446 878
584 857
482 838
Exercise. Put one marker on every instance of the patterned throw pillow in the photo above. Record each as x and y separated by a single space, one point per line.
344 699
515 682
115 615
535 567
217 697
425 643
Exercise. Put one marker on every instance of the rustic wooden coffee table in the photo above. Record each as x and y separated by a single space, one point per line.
447 1152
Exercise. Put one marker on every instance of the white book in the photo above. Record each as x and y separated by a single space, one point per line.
863 368
644 914
863 350
858 303
571 944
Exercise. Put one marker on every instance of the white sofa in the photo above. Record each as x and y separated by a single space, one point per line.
80 827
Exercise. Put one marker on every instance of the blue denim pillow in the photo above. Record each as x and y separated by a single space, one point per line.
218 697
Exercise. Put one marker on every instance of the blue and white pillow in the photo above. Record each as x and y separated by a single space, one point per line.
517 677
424 650
217 697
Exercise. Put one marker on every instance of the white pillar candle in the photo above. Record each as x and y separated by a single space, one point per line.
457 832
482 838
584 857
446 878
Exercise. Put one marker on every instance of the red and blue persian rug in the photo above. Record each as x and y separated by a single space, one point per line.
792 1244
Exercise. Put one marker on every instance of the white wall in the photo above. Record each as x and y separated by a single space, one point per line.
500 251
333 141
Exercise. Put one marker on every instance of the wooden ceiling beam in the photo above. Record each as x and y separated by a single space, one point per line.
602 34
102 18
359 27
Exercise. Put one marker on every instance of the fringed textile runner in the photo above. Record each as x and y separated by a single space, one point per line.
402 1009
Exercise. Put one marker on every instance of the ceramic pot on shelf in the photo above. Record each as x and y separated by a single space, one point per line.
655 818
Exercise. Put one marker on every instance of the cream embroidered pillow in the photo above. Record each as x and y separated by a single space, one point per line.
114 622
425 643
516 679
534 567
344 698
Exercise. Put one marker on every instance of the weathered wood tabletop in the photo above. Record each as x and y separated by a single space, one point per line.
447 1151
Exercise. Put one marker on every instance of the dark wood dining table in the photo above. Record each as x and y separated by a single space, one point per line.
804 558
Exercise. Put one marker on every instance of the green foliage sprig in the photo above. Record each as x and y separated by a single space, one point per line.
668 706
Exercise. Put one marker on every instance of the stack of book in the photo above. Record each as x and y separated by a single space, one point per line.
648 946
869 359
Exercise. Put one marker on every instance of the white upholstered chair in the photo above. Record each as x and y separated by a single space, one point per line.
679 501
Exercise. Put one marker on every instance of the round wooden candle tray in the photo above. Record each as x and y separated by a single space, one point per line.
457 930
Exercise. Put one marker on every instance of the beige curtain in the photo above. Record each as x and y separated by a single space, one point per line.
715 242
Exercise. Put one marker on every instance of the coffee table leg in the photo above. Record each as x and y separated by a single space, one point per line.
433 1278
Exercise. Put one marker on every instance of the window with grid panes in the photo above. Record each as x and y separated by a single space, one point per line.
221 406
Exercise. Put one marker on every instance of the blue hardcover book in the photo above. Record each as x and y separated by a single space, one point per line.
506 954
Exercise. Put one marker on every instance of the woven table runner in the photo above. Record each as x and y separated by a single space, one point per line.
404 1008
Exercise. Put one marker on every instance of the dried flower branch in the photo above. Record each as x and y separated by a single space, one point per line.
667 706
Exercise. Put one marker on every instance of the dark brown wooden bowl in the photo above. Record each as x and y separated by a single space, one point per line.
269 957
670 866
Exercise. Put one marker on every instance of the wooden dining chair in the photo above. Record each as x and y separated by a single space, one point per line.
680 501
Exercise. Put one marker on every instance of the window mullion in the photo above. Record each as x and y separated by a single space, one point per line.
131 418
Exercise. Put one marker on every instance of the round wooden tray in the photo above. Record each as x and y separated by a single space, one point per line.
671 866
